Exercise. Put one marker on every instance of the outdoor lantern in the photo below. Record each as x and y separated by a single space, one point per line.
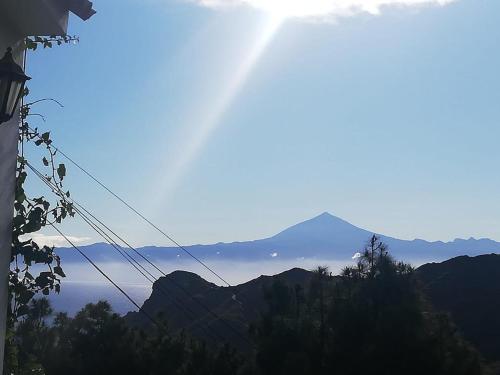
12 80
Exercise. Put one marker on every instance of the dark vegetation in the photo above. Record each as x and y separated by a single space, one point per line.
372 319
469 289
96 341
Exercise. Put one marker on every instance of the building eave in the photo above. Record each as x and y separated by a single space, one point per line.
41 17
81 8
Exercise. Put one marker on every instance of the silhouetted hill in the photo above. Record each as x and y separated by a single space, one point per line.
466 287
469 289
187 302
323 237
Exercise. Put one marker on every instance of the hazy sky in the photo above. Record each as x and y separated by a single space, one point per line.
223 120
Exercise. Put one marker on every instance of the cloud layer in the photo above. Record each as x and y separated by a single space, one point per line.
57 241
320 8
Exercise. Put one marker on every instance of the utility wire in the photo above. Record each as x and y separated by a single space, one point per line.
144 272
107 277
168 277
138 213
137 265
144 218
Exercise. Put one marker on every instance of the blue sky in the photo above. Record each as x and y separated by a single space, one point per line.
389 121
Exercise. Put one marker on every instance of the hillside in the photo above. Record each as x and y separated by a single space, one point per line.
468 288
237 306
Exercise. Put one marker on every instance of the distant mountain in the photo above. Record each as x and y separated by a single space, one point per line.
322 237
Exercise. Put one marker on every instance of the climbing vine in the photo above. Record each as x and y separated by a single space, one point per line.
36 269
32 43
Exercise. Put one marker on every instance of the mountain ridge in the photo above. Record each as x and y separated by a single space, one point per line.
464 287
324 237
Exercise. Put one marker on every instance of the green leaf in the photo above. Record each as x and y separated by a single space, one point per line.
61 171
21 197
22 310
58 270
19 220
25 296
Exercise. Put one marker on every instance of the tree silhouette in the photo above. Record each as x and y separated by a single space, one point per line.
371 319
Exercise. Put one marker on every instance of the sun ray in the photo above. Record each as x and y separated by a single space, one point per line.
218 105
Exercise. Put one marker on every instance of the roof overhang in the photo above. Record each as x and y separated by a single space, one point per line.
41 17
81 8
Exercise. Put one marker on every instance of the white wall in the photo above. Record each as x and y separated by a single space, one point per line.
8 154
18 19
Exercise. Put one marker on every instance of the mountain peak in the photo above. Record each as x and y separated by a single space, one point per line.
324 219
187 280
327 216
325 228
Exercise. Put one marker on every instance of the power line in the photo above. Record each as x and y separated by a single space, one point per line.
147 260
144 218
137 265
144 272
107 277
168 277
123 253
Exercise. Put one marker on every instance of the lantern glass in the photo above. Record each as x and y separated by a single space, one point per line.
4 92
12 79
13 97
